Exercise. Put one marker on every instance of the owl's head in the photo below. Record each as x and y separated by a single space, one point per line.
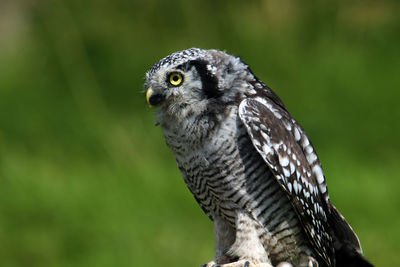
194 81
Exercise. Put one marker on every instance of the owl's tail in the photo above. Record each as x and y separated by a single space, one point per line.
348 252
347 257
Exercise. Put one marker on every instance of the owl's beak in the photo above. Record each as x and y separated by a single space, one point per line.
152 98
149 92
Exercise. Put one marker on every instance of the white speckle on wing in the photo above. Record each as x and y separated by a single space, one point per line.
311 188
318 173
295 187
307 184
265 136
252 91
305 141
270 107
311 157
316 207
267 149
306 193
286 172
256 142
277 114
288 126
316 192
323 189
292 168
297 135
263 127
289 186
283 160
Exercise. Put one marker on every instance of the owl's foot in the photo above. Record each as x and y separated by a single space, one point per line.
284 264
308 261
209 264
239 263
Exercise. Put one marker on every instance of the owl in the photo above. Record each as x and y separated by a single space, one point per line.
249 165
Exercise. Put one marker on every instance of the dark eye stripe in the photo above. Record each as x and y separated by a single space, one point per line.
209 81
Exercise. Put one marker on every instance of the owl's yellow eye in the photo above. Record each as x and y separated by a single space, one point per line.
175 78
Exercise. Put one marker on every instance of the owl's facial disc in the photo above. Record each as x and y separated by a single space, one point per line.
175 86
165 87
185 81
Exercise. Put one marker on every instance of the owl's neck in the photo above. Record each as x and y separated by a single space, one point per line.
191 132
194 131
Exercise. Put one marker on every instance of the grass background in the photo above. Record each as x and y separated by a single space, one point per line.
87 180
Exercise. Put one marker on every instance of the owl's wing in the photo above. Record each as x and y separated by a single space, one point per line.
289 154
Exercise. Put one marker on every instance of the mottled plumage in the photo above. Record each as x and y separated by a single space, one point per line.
248 163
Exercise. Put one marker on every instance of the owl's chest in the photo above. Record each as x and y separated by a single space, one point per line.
215 168
204 143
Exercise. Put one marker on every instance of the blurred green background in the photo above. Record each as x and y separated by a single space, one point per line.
87 180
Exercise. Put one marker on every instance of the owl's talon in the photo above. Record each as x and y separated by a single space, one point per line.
210 264
284 264
246 264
